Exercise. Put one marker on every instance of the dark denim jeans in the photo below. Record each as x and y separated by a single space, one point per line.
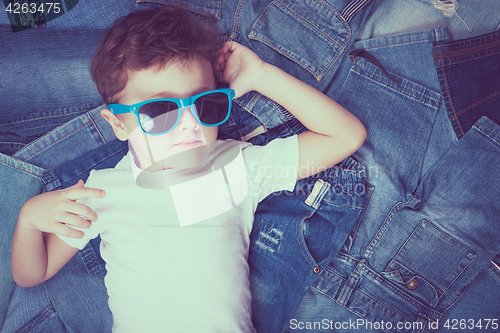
468 72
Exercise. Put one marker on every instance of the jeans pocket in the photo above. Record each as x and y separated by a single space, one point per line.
210 8
312 34
428 263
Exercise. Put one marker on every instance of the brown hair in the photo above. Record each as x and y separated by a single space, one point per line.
149 39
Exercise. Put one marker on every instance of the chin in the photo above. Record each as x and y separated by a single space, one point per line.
187 158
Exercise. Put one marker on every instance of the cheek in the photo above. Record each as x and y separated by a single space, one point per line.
210 134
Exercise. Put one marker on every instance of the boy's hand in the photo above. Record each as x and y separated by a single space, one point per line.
49 212
240 67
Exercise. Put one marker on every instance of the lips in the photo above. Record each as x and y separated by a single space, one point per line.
189 143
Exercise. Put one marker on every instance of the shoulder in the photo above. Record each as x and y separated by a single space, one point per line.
103 177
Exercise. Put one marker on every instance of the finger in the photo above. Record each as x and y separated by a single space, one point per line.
67 231
76 208
230 45
85 192
75 221
226 47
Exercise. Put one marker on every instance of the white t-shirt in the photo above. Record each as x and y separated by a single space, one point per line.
176 255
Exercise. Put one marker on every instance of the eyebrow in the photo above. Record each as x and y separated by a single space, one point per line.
168 95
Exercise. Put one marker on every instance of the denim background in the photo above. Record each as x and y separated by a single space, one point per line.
259 25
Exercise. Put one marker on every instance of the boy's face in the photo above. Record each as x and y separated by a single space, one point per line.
189 141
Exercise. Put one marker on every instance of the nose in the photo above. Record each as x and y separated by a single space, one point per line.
188 121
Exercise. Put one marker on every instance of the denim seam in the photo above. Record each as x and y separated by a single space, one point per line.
50 178
299 226
444 62
470 40
90 260
22 170
496 272
95 126
236 21
42 317
13 143
385 226
393 88
59 139
80 111
487 135
360 219
381 304
475 104
401 43
350 285
442 74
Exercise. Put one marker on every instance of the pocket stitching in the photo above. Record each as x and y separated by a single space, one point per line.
394 260
317 75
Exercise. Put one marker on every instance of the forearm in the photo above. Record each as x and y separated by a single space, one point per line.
29 255
315 110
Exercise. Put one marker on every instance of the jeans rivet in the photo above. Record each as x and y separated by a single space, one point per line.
316 269
412 284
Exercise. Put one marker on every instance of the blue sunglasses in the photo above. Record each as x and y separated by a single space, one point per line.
160 116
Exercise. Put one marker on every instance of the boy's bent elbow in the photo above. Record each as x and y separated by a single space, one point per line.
26 282
361 136
357 137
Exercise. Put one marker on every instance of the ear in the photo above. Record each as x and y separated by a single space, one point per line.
117 125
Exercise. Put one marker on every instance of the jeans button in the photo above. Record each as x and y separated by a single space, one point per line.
316 269
412 284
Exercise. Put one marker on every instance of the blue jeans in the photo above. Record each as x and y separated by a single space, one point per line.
52 162
257 28
416 257
391 17
256 122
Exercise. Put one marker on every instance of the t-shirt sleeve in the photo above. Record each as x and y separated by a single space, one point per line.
273 167
91 232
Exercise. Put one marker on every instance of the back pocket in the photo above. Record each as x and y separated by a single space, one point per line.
428 263
312 34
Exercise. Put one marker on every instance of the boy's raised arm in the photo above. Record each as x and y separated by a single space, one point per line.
334 133
37 253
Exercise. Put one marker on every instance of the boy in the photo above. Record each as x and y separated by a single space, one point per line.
175 213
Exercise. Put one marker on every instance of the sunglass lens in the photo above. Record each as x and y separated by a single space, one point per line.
158 117
212 108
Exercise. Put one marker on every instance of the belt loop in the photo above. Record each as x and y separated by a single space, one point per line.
318 192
